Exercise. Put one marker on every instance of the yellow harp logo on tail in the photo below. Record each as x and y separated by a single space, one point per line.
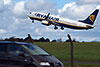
92 17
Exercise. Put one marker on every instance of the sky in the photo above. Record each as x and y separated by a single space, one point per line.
15 22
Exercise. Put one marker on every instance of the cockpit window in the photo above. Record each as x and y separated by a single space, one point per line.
35 50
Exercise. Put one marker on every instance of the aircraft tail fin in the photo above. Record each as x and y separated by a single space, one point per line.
91 19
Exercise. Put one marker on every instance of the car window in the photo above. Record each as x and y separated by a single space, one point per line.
34 50
3 49
15 50
13 47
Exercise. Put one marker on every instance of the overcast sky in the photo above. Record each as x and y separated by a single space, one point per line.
15 22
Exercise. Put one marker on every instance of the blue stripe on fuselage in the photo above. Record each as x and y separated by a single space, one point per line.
72 27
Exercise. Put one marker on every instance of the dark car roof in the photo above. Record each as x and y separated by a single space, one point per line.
13 42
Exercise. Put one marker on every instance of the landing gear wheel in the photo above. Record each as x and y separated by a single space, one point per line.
62 28
55 27
32 21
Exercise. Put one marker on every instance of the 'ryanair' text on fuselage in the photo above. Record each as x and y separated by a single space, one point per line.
44 16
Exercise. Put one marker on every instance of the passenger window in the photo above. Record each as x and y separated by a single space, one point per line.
3 49
13 47
16 51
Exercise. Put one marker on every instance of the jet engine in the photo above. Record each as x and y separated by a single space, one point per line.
44 22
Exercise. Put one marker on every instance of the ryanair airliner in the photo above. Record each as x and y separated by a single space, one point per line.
47 19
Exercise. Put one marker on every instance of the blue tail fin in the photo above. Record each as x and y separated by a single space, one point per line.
91 18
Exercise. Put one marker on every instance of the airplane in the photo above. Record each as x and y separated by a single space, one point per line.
47 19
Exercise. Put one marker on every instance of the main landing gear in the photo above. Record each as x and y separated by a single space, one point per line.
62 28
55 27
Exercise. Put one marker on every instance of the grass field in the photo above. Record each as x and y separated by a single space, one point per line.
82 52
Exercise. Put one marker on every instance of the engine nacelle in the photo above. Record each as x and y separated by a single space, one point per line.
44 22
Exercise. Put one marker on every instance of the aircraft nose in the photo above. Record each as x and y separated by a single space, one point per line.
29 14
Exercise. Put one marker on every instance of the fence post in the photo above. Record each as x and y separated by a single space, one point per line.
30 38
71 50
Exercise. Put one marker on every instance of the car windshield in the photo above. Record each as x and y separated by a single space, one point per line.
34 50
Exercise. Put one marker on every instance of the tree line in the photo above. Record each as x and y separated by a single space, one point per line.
27 39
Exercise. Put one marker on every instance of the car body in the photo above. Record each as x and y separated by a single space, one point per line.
20 54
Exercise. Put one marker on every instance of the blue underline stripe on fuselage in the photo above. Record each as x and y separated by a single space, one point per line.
69 26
